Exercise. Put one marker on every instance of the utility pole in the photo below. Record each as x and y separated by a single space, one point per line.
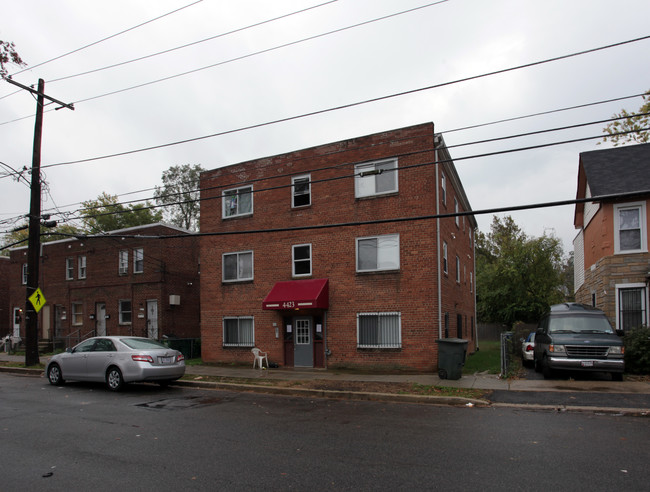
34 244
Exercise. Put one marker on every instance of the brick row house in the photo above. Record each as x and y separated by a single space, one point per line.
5 268
337 255
137 281
612 263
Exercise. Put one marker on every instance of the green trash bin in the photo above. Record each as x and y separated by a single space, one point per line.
451 357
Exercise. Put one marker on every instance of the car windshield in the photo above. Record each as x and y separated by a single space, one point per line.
579 324
142 343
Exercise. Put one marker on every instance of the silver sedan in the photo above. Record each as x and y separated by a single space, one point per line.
116 361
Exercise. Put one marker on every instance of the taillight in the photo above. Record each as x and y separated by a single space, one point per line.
180 358
142 358
529 348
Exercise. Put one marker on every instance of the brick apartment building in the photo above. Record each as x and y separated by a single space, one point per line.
333 256
612 263
5 268
129 282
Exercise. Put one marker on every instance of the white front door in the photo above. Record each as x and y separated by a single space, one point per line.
100 319
152 319
17 319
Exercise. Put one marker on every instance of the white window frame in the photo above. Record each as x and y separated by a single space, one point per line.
443 187
123 262
242 341
456 210
138 257
642 227
367 176
24 274
81 272
240 273
445 257
645 300
301 260
382 251
237 192
295 194
77 318
122 312
457 269
69 268
394 341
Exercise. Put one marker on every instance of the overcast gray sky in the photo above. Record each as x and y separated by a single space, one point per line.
433 45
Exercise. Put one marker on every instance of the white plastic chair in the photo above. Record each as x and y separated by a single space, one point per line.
259 356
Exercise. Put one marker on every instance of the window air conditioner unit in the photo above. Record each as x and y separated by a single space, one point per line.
174 300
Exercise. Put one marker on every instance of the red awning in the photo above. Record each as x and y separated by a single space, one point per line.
298 294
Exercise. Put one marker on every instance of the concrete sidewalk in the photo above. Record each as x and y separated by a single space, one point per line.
475 381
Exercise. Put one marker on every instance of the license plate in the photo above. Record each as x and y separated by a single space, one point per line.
587 363
165 360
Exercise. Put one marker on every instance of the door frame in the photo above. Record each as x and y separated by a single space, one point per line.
303 346
152 328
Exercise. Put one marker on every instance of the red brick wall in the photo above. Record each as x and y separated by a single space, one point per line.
5 311
412 290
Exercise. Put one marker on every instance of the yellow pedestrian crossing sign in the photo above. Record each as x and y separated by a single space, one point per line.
37 299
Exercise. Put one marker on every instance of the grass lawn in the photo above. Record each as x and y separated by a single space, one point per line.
488 358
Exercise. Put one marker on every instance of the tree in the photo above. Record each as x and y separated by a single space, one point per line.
107 214
517 277
180 195
8 54
19 236
638 125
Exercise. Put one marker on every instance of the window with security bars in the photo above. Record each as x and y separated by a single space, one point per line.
379 330
238 331
632 309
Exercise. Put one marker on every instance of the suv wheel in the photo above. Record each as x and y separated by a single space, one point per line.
546 370
538 367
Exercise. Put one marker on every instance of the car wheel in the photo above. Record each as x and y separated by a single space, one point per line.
54 375
114 379
546 370
617 376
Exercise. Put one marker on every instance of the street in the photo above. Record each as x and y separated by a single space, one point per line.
83 437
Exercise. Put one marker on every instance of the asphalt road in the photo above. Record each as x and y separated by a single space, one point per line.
82 437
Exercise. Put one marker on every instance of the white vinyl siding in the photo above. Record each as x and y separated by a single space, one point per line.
578 260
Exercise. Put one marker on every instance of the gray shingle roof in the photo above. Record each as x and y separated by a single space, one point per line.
618 170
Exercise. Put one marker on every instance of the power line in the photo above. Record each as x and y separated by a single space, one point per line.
240 29
107 38
349 105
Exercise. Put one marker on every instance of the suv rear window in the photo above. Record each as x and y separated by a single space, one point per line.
579 324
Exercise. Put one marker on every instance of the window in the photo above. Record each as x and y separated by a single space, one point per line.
69 268
379 330
445 263
82 267
238 201
375 178
125 311
138 260
457 269
629 226
24 274
239 331
471 281
443 188
632 311
124 262
378 253
238 266
456 210
301 191
77 314
302 259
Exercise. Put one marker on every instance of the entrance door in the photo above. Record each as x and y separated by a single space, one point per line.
100 319
17 317
303 351
152 319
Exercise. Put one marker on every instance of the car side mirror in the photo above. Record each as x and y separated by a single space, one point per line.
68 350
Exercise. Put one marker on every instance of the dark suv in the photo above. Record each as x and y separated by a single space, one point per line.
575 337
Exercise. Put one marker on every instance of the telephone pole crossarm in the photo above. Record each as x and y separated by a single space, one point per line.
37 93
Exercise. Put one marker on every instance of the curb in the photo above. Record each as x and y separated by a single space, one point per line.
631 412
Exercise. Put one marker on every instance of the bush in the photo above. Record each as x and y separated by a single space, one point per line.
637 350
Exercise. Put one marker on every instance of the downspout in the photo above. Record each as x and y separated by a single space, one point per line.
435 150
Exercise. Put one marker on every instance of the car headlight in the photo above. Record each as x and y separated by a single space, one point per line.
616 350
557 349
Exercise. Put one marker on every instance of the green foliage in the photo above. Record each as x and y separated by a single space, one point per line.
637 123
9 55
106 214
19 236
637 350
180 195
517 277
